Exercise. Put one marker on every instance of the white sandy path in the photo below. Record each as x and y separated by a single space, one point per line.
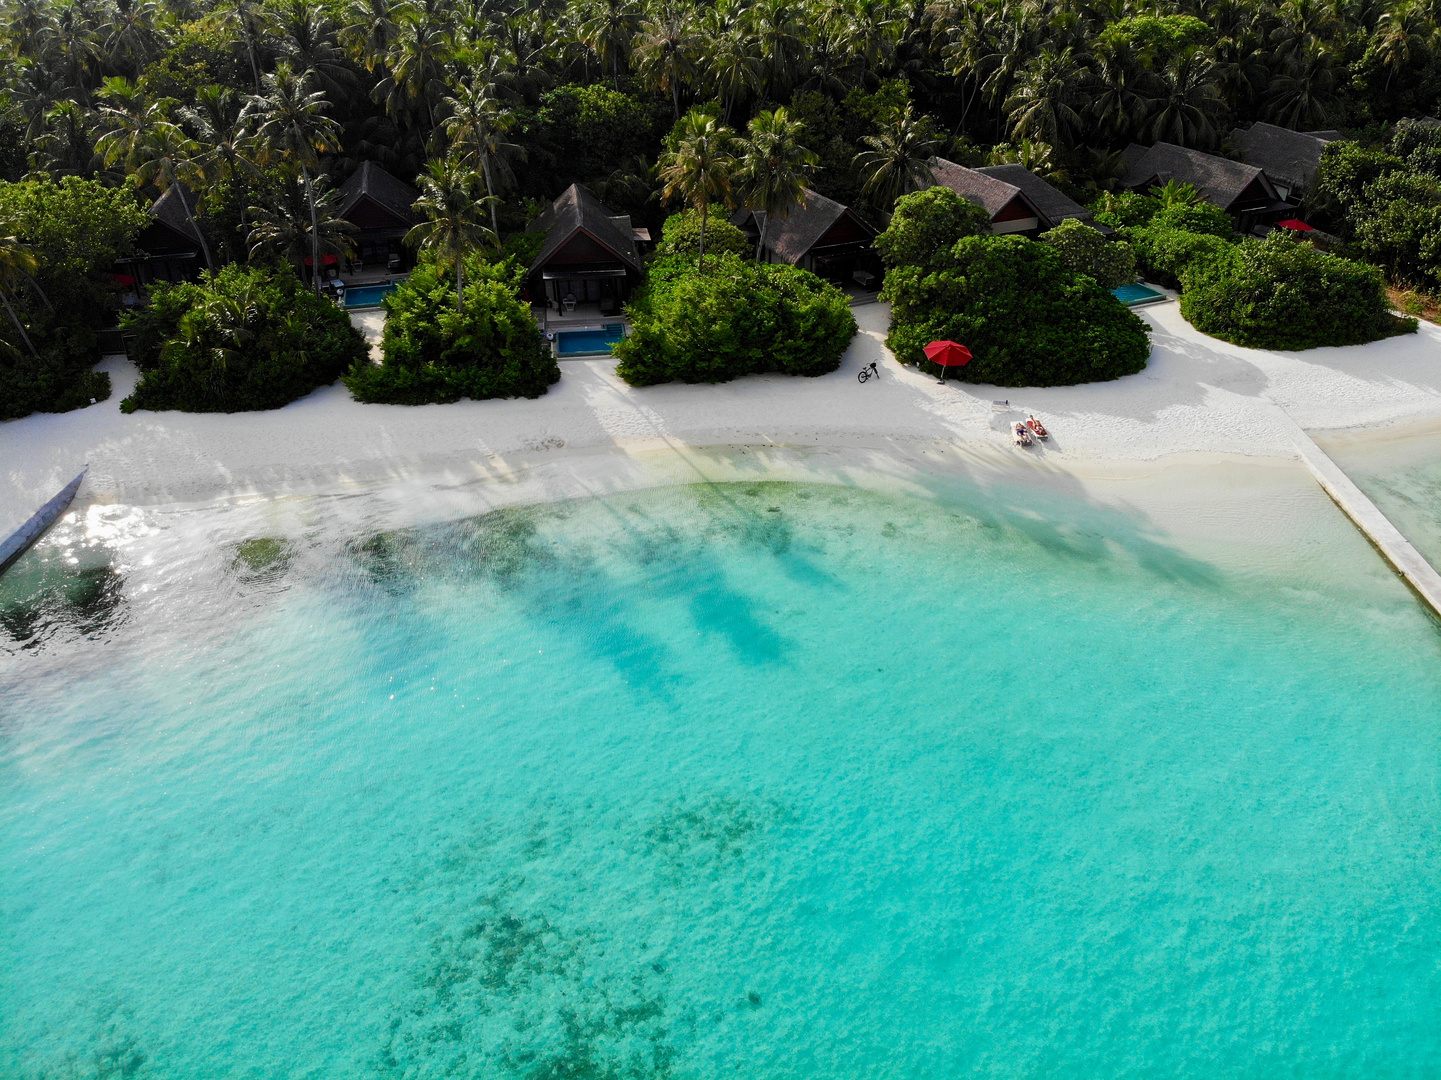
1196 395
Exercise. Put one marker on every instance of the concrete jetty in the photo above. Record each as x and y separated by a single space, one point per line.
1397 550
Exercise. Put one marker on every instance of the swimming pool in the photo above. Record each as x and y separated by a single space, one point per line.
592 341
763 779
367 296
1138 295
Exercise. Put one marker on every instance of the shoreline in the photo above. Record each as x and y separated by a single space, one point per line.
1199 402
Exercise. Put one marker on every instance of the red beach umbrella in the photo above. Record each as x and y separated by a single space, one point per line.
947 354
1296 224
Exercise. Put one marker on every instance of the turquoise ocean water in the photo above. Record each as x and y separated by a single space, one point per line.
753 780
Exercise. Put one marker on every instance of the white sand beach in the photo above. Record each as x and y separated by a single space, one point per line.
1198 402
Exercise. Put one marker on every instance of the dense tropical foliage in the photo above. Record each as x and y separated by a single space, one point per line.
736 318
433 351
1028 318
58 245
1280 293
239 339
264 107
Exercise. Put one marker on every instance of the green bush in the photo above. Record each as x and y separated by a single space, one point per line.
1125 209
680 235
76 229
1197 217
1083 250
1027 320
237 340
925 227
1280 293
434 353
1162 254
736 319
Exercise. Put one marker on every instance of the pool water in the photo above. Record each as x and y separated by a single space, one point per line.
589 342
756 779
1137 294
367 296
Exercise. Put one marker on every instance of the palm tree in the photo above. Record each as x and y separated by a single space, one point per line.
417 62
1301 97
896 161
477 127
774 167
166 156
289 125
735 68
131 34
1046 103
700 168
451 229
130 116
1400 36
372 29
779 36
16 261
607 28
300 224
248 20
1186 102
308 41
664 51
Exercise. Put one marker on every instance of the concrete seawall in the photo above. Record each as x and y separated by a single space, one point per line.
1397 550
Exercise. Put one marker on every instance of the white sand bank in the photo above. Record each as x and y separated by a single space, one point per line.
1197 396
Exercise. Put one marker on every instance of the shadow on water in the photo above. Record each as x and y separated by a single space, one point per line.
589 580
50 601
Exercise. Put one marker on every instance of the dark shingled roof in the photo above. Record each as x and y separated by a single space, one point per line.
1219 180
990 193
1054 204
1288 157
371 180
169 209
790 238
576 209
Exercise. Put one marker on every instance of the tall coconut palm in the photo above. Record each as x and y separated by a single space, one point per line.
166 156
417 63
896 161
1046 103
1185 103
665 51
700 168
289 125
774 168
249 21
607 28
477 127
1302 95
129 115
371 29
452 228
300 223
734 66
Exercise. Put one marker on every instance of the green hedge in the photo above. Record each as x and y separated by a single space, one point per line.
1084 250
434 353
925 227
1280 293
738 318
76 229
680 235
238 340
1027 320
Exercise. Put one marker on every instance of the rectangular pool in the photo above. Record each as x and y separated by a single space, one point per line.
1136 295
594 341
363 296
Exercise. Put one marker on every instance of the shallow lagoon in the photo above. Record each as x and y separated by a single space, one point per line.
747 779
